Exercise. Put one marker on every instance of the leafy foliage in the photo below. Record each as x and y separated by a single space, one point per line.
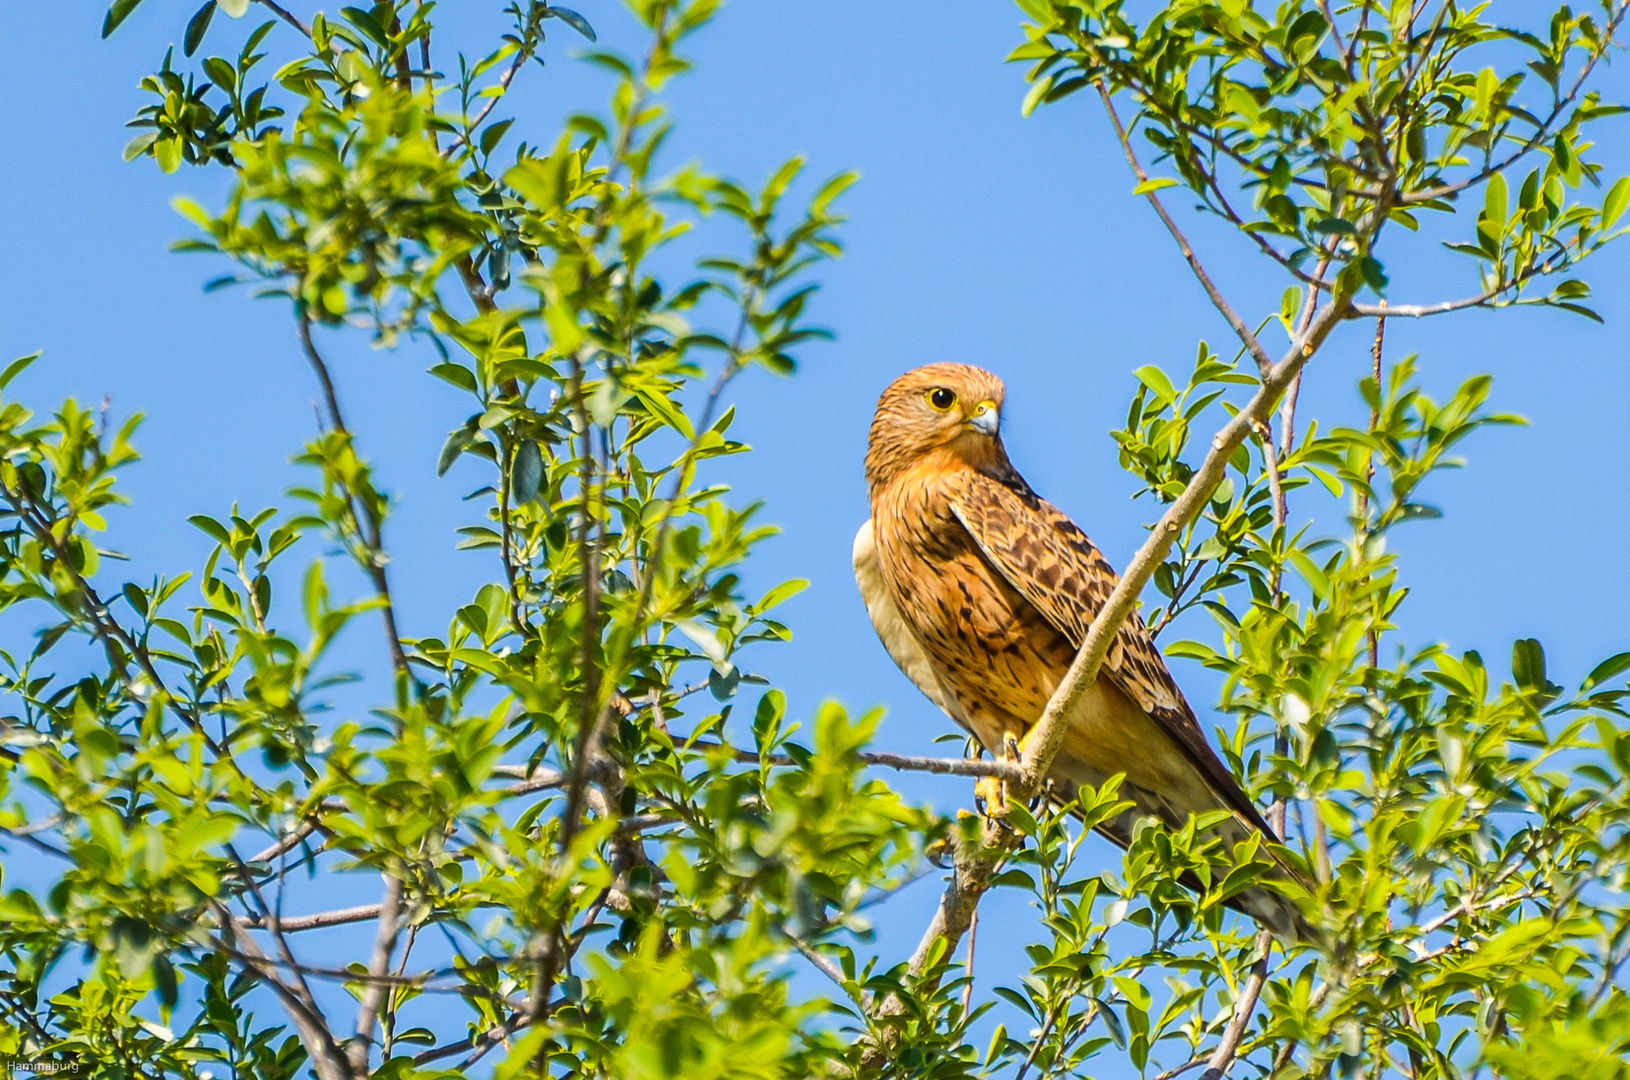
585 873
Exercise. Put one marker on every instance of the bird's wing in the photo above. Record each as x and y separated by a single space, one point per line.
898 638
1052 564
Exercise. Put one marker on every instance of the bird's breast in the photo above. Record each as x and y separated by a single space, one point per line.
990 647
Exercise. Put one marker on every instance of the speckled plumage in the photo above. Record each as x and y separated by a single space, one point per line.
982 592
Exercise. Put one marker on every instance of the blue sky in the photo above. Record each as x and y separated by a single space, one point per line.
974 235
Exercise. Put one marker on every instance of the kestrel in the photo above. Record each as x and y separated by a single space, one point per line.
982 593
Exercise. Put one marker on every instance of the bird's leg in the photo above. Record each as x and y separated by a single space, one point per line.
992 790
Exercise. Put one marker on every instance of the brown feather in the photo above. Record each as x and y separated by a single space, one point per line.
998 589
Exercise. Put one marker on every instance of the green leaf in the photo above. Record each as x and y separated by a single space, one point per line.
526 474
214 529
1374 276
164 980
1034 97
1528 664
1155 183
1494 201
365 21
221 73
1157 382
197 26
118 13
723 685
457 374
705 639
665 410
168 153
1604 671
1310 571
16 368
1290 305
457 442
1113 1023
1580 309
1334 226
573 20
138 146
493 134
780 594
1193 649
1618 196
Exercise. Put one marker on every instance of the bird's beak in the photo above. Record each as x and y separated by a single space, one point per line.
986 418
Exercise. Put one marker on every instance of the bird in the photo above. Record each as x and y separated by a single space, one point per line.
982 592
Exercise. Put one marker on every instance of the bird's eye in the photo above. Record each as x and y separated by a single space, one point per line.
941 398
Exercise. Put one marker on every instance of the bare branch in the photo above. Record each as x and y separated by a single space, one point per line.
973 938
1002 770
322 920
1244 1005
480 1044
825 966
288 843
373 995
1335 35
35 842
1419 311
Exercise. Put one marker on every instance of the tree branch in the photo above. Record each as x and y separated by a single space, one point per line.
1244 1005
373 995
1217 299
1048 735
1002 770
366 521
320 921
286 16
327 1059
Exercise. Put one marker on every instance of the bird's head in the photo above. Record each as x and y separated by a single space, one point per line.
939 407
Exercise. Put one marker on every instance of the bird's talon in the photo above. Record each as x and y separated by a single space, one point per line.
991 793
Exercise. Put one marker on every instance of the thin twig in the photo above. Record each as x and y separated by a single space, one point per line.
523 53
1335 35
1217 299
288 843
40 845
1287 408
283 946
322 920
285 15
1372 638
481 1043
366 521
